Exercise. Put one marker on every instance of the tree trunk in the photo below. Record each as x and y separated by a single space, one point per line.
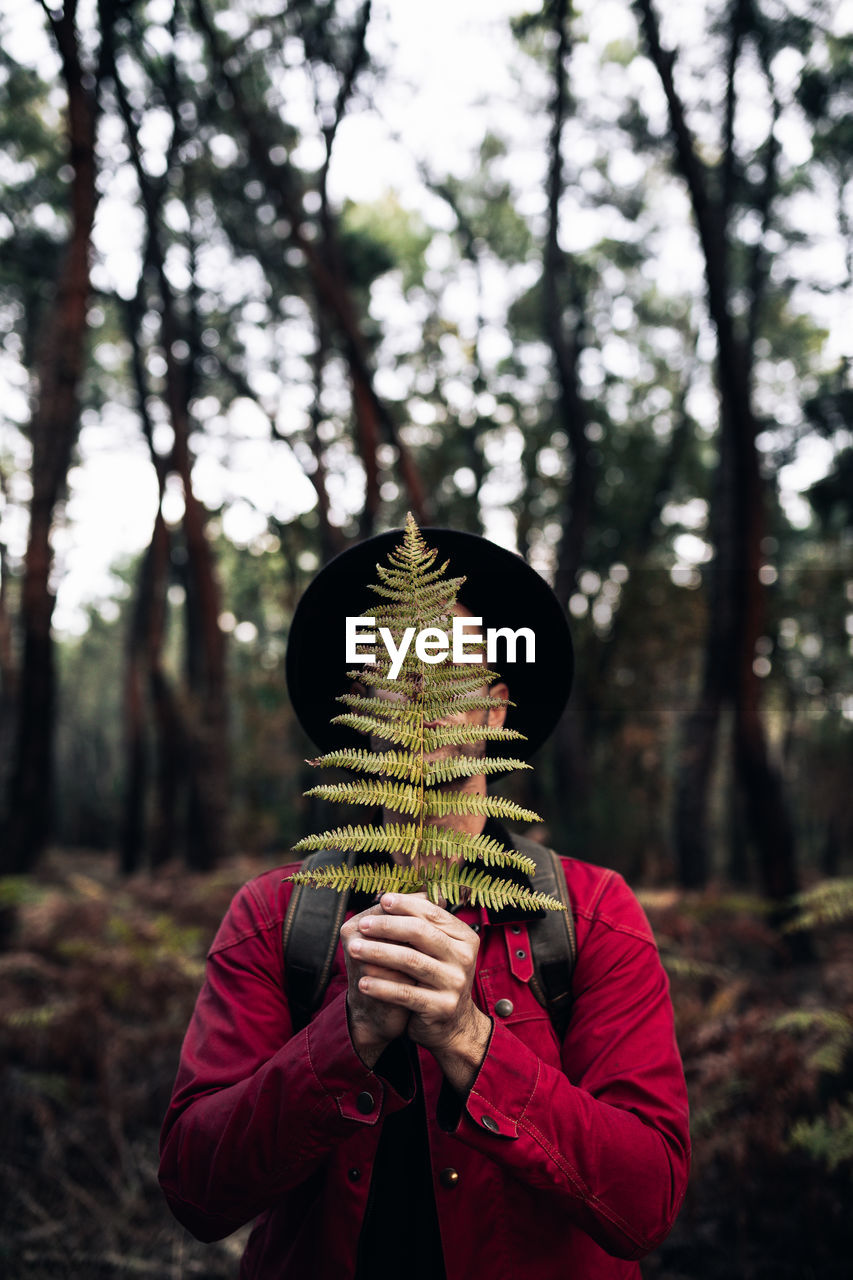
700 729
570 750
768 816
737 596
559 294
331 541
53 430
367 435
206 721
8 664
143 677
201 723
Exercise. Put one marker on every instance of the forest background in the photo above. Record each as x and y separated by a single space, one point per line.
585 288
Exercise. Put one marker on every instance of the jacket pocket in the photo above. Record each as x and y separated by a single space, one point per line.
506 999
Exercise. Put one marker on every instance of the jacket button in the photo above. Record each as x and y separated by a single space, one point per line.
489 1123
353 1174
503 1008
448 1178
364 1103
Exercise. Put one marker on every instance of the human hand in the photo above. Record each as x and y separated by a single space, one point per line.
373 1024
429 959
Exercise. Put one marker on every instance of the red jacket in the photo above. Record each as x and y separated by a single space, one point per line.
571 1162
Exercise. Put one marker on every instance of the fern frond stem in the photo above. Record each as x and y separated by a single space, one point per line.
422 758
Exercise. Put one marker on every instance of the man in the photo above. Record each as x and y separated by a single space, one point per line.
428 1122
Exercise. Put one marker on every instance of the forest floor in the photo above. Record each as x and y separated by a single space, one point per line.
98 976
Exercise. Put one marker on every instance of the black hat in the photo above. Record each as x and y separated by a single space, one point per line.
500 587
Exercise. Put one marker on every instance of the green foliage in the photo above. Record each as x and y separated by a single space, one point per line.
32 182
381 236
36 1016
681 966
827 903
407 799
401 764
18 890
414 594
834 1030
829 1138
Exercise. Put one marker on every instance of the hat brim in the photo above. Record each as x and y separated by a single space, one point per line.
500 587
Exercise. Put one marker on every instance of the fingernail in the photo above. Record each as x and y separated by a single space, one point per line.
389 900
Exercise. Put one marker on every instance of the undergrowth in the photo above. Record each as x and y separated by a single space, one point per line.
768 1054
98 979
97 984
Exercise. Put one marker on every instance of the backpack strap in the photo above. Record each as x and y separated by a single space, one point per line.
310 938
553 942
314 917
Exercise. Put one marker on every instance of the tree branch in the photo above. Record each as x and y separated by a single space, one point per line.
759 261
283 189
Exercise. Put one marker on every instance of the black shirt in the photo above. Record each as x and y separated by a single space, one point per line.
401 1204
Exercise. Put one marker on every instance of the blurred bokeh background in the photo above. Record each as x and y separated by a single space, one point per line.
575 276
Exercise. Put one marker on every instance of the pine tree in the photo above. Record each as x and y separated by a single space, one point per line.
443 862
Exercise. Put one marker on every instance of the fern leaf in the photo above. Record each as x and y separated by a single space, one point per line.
828 1138
375 676
447 842
472 674
411 715
454 884
392 764
437 772
834 1027
427 739
456 734
405 764
432 597
395 838
364 879
442 803
403 839
399 797
828 903
460 702
485 890
386 729
402 579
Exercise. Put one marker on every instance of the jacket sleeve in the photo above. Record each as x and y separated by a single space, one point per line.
255 1109
608 1133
